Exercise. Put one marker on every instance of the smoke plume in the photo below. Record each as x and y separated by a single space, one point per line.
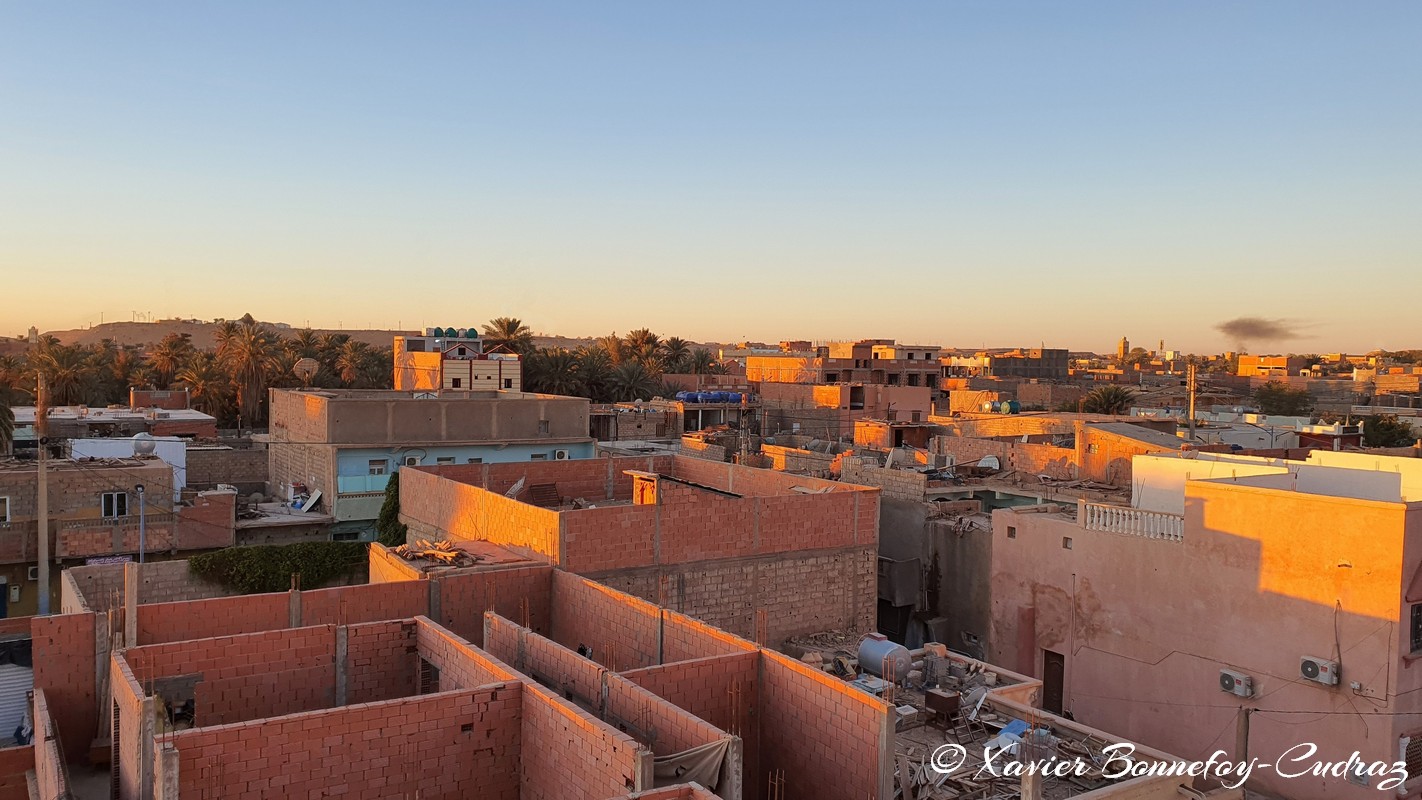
1258 329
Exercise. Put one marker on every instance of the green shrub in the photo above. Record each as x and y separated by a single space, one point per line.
268 568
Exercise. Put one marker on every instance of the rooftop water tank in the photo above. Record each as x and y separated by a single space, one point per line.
878 655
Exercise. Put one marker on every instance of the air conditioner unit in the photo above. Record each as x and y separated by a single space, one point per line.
560 455
33 573
1236 683
1317 669
412 461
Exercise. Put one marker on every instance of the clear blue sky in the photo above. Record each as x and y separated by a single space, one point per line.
946 172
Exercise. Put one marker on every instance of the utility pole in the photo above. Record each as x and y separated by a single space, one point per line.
1191 386
42 433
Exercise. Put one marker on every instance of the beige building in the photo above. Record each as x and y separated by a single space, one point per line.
341 446
446 358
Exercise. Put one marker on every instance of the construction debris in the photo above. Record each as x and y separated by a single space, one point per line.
442 551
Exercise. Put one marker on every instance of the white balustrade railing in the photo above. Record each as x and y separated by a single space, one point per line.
1132 521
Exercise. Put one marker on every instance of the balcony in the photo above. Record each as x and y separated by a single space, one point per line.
361 484
1131 521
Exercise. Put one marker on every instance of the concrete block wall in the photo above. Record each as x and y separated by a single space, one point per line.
463 743
133 715
172 582
899 484
382 661
623 632
93 588
699 449
793 459
245 468
831 739
64 668
1028 458
209 523
802 593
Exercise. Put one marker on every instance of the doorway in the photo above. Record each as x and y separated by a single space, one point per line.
1053 681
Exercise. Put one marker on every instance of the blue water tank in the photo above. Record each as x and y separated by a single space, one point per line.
681 396
995 407
878 655
733 397
1014 407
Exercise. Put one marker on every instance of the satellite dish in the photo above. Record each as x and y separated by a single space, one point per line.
306 369
989 462
144 444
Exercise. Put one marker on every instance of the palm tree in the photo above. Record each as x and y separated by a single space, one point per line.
207 382
701 362
612 347
675 352
1108 400
14 384
247 355
643 345
168 356
594 373
632 381
351 361
305 343
553 371
509 333
69 373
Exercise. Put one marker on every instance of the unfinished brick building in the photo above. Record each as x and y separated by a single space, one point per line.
736 547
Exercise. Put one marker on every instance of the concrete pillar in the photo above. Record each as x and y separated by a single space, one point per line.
732 779
341 645
434 601
165 778
293 608
132 578
145 764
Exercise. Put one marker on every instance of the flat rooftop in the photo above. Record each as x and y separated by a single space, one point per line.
387 395
25 415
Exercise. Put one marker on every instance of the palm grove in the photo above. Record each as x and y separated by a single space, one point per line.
230 380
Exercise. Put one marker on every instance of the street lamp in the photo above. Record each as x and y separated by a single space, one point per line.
142 533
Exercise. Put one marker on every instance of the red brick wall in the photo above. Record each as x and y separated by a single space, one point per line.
826 735
437 508
219 616
521 594
14 762
554 666
723 691
48 761
621 630
400 748
350 605
210 522
617 537
460 665
382 661
64 669
385 567
684 638
568 753
667 727
222 701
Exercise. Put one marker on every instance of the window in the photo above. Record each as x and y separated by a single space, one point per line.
115 504
461 351
543 426
444 460
475 461
537 456
1066 542
508 383
1011 532
352 536
831 377
4 509
378 466
910 358
1412 752
456 383
1417 627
